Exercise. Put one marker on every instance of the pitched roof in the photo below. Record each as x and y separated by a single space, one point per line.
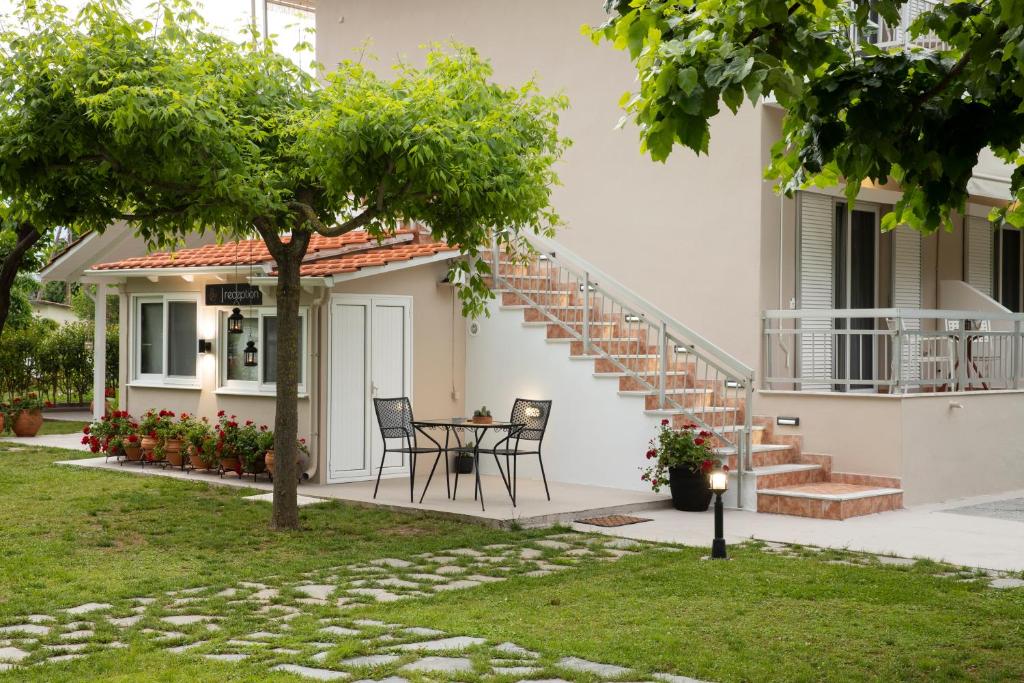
326 255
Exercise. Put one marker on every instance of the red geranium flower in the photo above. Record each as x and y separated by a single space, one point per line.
221 413
706 466
86 429
664 423
651 453
699 441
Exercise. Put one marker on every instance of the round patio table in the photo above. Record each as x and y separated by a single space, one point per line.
457 425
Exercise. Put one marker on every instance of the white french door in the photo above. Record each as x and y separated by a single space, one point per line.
371 356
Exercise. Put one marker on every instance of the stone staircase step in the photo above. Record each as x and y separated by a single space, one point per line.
788 474
829 500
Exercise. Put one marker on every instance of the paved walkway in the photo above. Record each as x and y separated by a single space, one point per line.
940 532
300 626
72 442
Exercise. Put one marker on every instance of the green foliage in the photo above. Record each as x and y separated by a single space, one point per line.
20 314
853 111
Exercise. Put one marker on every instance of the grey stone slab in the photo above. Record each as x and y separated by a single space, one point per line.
465 552
545 680
89 607
125 622
585 666
39 618
12 654
229 657
263 635
552 545
440 665
178 649
63 647
391 562
369 660
456 585
285 651
339 631
265 594
432 578
419 631
449 569
317 591
513 649
530 553
77 635
896 561
227 593
443 559
482 578
63 658
30 629
187 619
389 679
1006 583
670 678
623 544
537 573
442 644
310 672
373 623
378 594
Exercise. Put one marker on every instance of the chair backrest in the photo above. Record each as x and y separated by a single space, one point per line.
533 414
394 416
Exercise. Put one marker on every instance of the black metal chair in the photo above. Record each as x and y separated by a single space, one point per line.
394 417
533 415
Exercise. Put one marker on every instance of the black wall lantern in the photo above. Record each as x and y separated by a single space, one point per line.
205 346
250 355
235 321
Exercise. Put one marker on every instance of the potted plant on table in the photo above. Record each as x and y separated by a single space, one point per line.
682 458
482 416
24 414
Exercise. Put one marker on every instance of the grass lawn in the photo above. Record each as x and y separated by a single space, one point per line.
70 536
62 427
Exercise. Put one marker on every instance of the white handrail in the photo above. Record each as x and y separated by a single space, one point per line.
923 313
607 282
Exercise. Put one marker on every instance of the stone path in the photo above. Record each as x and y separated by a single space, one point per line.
300 626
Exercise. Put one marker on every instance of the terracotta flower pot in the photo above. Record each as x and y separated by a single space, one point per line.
148 445
195 459
483 419
28 423
133 453
231 464
172 452
1 423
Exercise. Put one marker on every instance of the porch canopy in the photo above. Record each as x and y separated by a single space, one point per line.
991 178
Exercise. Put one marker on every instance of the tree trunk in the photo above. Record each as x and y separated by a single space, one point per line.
286 421
27 238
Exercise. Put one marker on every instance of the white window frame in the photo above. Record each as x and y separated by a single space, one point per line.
258 386
161 378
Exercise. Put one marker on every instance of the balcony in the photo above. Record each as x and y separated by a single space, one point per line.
892 350
887 36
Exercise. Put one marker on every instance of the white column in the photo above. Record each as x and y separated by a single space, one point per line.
99 353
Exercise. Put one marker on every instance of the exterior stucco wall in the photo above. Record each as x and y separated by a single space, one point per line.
438 353
684 235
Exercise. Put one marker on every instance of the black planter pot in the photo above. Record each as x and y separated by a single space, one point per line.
691 492
464 464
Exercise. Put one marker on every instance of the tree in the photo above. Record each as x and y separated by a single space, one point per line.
853 112
182 130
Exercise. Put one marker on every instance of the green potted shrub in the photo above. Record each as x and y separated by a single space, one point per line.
482 416
24 414
683 459
250 442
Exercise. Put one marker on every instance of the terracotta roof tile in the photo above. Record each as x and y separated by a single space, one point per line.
326 255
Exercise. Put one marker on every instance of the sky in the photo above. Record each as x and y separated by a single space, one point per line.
229 17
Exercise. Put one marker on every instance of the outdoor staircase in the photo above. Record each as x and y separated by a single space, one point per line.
624 348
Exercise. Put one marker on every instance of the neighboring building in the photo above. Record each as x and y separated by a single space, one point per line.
51 310
710 299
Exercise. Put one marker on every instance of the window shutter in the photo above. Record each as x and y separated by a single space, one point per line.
816 286
978 254
906 293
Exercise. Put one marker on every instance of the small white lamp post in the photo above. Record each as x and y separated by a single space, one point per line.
719 482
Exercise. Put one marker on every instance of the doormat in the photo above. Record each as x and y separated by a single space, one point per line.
612 520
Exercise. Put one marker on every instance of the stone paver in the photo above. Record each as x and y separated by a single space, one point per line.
12 654
310 672
369 660
89 607
585 666
448 665
443 644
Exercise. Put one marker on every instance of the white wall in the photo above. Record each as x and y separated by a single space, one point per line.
594 435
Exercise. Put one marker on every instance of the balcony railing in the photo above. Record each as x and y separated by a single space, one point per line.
886 36
892 350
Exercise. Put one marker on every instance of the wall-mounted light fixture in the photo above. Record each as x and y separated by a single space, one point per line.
682 349
205 346
235 321
787 421
733 384
250 355
630 318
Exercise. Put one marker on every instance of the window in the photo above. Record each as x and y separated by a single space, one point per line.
259 327
165 345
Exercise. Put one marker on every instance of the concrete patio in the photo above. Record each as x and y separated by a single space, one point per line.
955 531
568 503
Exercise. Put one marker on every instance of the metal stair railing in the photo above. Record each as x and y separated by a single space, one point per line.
688 374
